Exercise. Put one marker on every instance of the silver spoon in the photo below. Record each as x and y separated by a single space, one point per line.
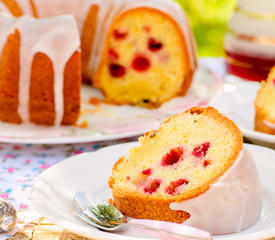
105 216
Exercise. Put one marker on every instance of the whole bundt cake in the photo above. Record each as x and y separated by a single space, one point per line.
137 52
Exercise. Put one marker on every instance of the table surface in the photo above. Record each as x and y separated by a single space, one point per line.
21 164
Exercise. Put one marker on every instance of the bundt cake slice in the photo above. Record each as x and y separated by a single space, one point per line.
146 58
265 105
180 161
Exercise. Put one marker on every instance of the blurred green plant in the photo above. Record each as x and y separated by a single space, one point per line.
209 19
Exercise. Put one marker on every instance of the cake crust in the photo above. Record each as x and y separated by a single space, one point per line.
71 92
33 7
262 114
9 79
41 102
87 39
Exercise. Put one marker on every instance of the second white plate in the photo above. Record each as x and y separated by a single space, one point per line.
236 101
53 191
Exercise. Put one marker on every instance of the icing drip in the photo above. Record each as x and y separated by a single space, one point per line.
25 6
6 28
231 204
4 8
24 78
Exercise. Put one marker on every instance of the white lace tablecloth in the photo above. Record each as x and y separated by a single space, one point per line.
21 164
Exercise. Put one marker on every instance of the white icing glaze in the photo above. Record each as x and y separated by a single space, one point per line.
81 11
263 6
4 8
47 8
6 22
231 204
269 124
25 6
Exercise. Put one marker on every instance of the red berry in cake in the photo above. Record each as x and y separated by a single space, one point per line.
173 156
113 55
146 29
117 70
173 186
153 186
141 63
147 171
206 163
154 45
273 82
119 35
201 150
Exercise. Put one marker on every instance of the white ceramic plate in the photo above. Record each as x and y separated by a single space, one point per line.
236 101
53 191
109 122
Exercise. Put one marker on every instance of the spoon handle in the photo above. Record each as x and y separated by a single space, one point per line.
160 230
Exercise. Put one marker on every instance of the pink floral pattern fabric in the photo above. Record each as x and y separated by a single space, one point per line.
21 164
